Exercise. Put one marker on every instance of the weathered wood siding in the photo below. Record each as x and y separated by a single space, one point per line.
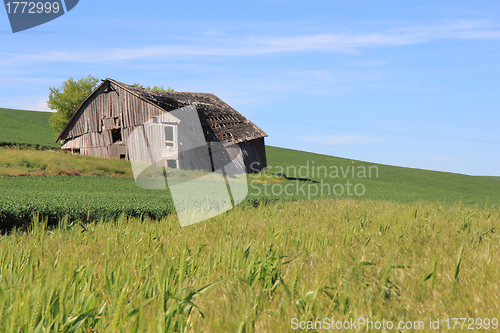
254 154
110 108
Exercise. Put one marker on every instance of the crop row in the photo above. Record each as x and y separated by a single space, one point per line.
76 198
84 199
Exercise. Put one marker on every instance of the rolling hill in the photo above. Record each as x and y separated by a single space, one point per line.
394 183
19 127
291 175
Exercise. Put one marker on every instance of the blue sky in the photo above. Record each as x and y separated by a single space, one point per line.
407 83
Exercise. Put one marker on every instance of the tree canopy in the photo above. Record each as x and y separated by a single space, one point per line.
155 88
67 98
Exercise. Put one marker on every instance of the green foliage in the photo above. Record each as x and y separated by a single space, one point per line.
67 98
253 269
26 128
155 88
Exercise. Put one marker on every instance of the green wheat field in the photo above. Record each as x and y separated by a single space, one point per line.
254 269
83 249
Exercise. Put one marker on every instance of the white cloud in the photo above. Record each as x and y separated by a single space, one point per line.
333 140
41 106
260 45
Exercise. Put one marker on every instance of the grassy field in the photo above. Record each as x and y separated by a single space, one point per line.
383 243
255 270
105 188
327 176
19 127
396 183
30 162
378 181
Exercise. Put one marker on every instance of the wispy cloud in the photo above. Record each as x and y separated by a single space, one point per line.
333 140
42 106
261 45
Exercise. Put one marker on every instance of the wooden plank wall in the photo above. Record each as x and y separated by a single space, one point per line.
226 155
196 158
134 111
254 151
90 130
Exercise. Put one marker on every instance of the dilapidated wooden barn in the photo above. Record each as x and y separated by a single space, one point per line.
102 124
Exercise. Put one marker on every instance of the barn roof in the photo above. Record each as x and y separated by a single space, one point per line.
219 121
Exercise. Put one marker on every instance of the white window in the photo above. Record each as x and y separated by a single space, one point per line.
170 136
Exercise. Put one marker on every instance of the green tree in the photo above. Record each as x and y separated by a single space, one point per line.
67 98
155 88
